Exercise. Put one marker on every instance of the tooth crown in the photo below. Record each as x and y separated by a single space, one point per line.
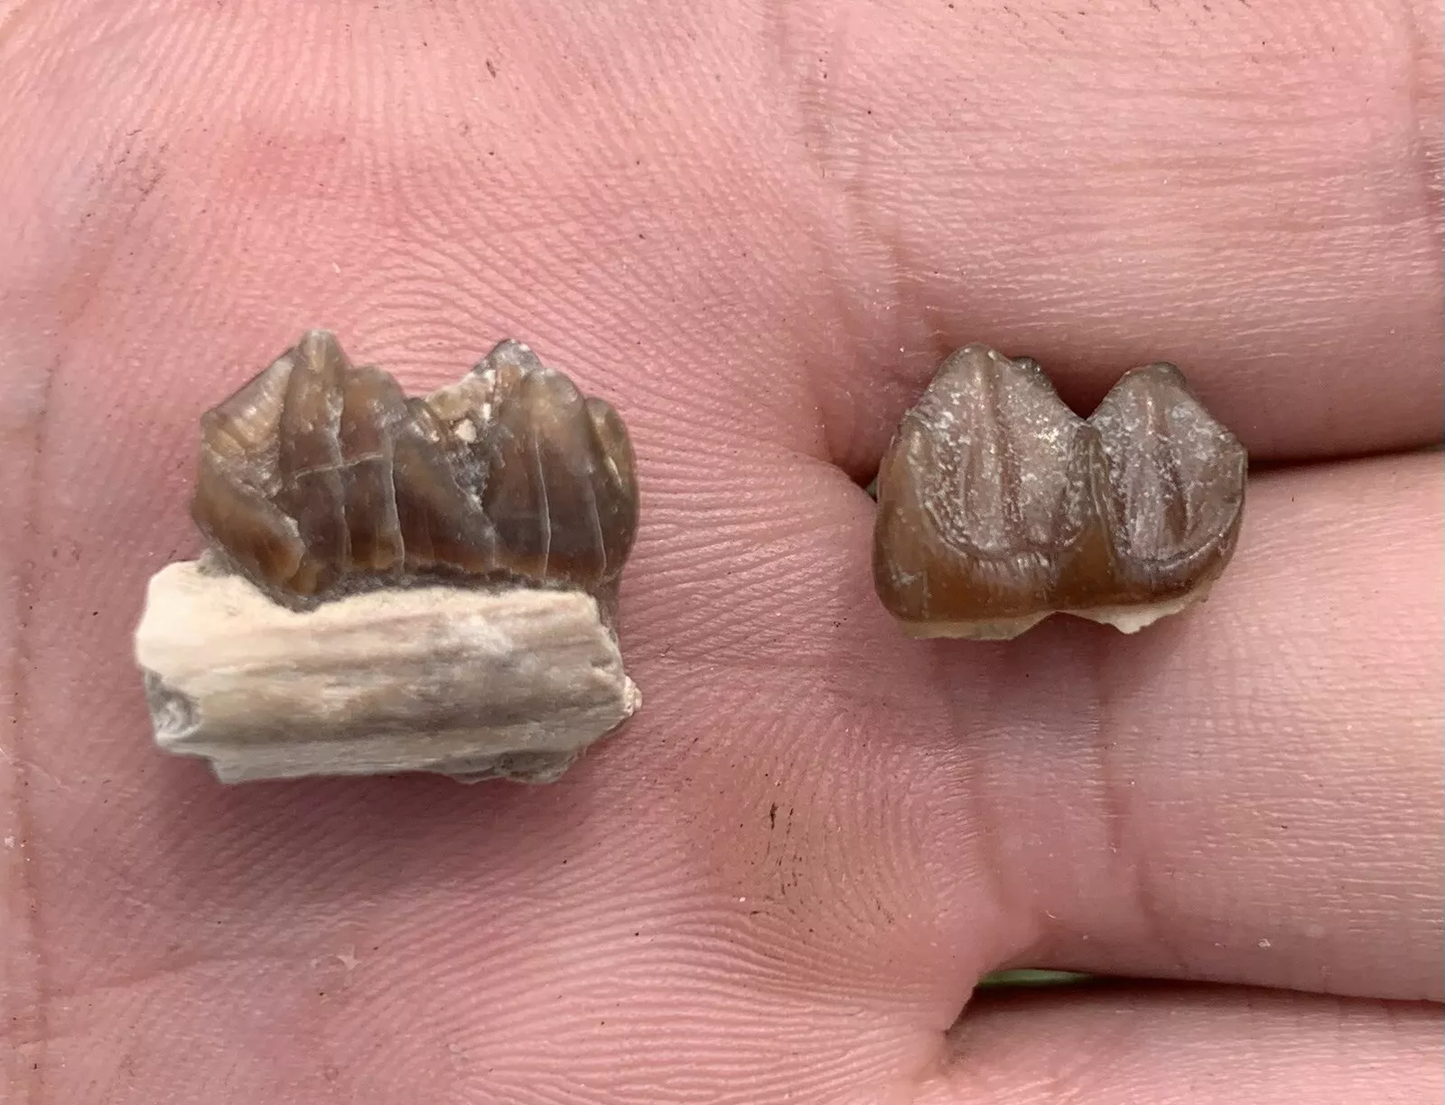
997 505
318 477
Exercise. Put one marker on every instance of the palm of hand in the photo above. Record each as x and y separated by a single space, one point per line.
755 236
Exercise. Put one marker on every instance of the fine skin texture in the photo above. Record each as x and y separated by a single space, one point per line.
756 229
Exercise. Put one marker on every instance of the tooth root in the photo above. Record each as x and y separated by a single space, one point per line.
474 684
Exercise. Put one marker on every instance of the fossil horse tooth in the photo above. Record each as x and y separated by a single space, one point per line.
318 477
397 584
999 506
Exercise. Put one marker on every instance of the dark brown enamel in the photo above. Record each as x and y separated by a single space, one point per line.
998 503
317 477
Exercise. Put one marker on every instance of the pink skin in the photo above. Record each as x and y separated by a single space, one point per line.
755 229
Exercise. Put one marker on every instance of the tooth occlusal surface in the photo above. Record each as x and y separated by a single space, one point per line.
999 506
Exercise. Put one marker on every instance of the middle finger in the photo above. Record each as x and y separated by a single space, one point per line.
1250 792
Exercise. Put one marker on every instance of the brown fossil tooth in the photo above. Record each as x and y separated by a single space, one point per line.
978 495
544 507
238 479
394 584
1175 483
319 478
617 507
998 506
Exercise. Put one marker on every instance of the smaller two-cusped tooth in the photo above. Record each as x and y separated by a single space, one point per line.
998 506
318 476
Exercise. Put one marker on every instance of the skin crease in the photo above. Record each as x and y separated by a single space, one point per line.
755 229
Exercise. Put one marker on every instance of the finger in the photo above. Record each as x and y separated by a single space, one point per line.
1150 186
1250 792
1193 1046
1252 192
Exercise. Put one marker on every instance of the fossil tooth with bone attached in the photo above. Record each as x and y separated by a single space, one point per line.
397 584
998 506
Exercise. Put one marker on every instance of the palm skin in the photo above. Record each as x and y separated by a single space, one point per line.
754 229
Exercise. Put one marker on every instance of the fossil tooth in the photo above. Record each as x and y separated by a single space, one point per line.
318 477
393 583
998 506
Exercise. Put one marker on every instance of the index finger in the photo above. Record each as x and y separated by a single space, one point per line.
1250 192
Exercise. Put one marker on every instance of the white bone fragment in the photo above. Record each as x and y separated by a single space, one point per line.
470 683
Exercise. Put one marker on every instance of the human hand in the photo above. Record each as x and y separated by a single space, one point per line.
755 230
